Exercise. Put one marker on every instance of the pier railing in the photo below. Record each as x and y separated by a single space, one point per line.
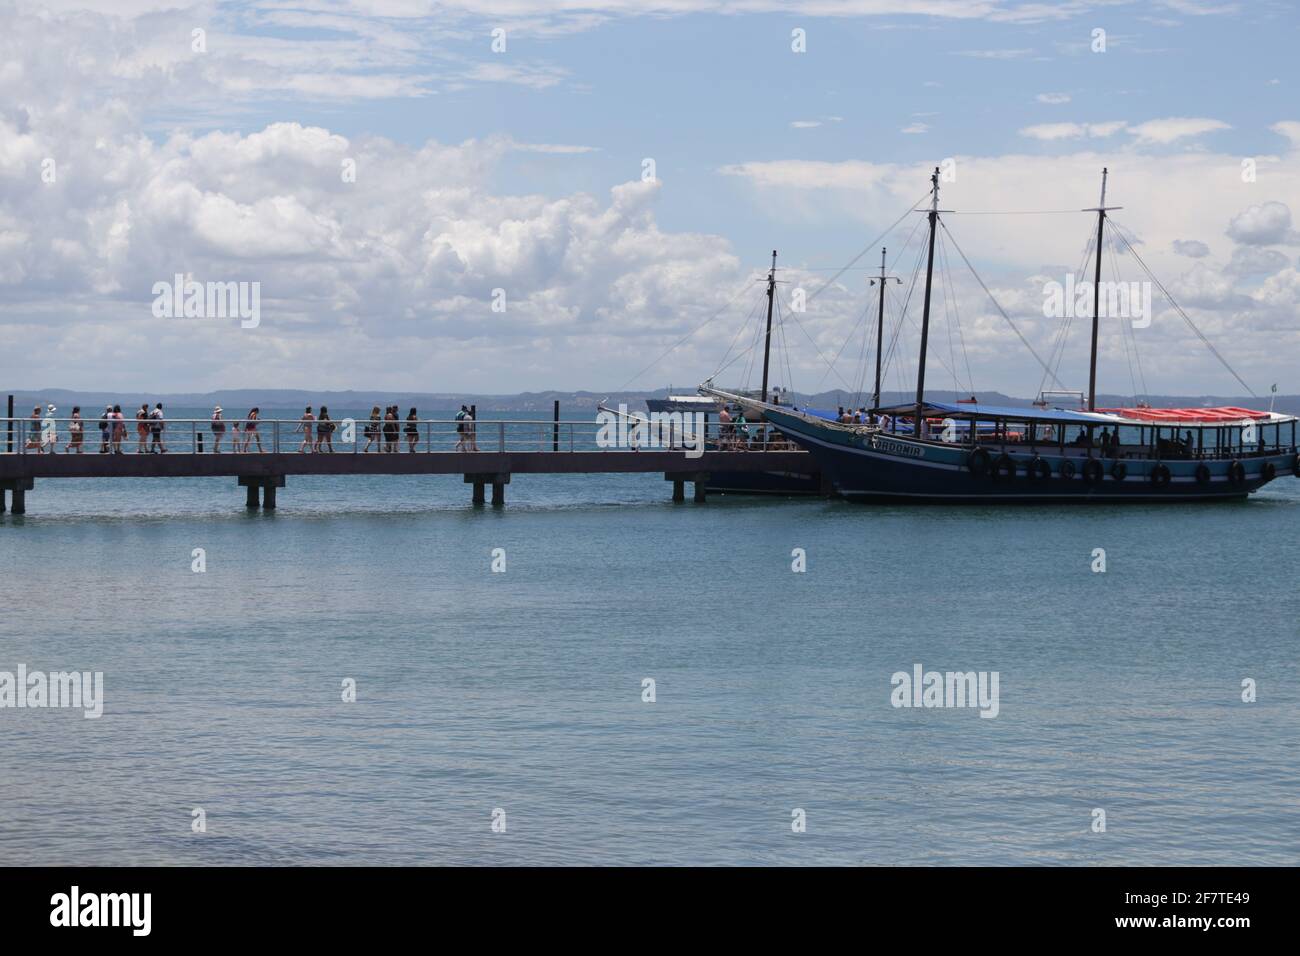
195 436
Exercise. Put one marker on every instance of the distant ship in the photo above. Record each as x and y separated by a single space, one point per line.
927 451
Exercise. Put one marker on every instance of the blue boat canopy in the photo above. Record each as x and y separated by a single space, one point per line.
968 410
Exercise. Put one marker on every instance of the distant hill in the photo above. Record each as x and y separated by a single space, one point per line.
287 399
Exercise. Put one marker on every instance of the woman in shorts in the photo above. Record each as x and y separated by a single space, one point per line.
324 431
412 430
250 429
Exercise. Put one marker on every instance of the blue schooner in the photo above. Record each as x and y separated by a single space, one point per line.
927 451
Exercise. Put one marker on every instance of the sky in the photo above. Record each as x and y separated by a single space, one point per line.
492 197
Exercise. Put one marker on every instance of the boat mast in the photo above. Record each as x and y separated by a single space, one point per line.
767 342
1096 293
925 312
880 326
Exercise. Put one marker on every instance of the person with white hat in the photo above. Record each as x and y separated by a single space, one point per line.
49 429
218 430
105 424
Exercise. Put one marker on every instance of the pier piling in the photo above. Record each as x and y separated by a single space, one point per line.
699 479
263 487
497 480
18 488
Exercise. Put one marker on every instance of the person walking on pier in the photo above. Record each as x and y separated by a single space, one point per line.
324 431
34 431
372 429
218 430
390 429
307 427
141 428
412 430
50 429
119 429
74 430
156 426
250 429
103 429
471 427
461 432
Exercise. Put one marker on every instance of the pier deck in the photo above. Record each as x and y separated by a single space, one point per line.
262 473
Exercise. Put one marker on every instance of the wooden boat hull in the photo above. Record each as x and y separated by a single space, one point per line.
867 465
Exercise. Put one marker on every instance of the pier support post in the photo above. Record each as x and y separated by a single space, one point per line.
263 486
498 481
679 479
18 487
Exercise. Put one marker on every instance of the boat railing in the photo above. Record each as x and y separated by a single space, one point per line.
1283 443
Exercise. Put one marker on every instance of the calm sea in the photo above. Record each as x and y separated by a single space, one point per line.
523 692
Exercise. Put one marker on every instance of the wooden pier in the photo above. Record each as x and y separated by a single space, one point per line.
262 475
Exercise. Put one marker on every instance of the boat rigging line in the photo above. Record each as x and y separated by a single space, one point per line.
1179 309
1024 341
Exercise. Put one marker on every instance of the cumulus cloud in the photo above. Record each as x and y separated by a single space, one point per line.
1174 128
1156 132
1191 248
1055 131
1252 260
1266 224
389 278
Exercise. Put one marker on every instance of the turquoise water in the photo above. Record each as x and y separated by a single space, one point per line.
523 690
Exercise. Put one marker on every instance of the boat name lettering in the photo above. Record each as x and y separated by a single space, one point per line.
891 447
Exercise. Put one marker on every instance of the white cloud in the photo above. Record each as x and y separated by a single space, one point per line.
1001 54
1288 128
1191 248
1263 225
1054 99
1174 128
912 128
1151 132
1252 260
1055 131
